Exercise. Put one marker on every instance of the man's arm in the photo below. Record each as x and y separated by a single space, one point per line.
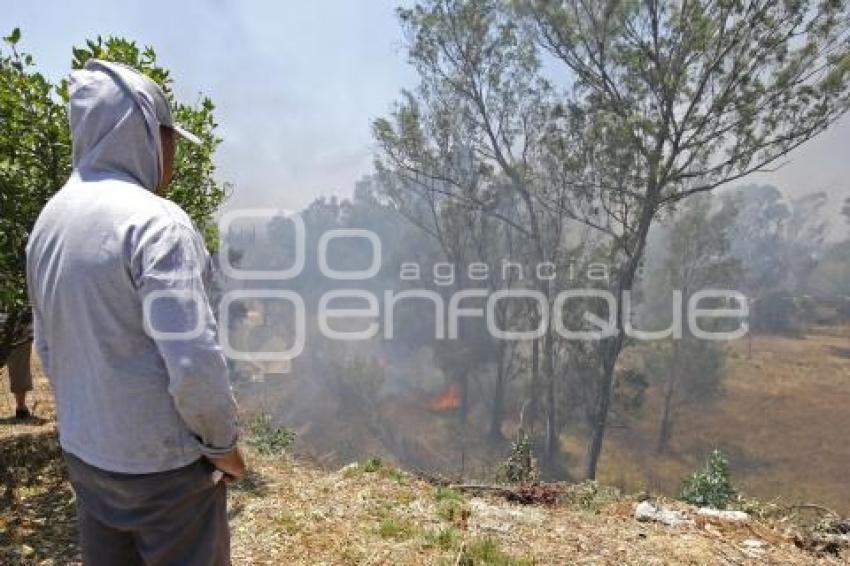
39 340
179 319
37 323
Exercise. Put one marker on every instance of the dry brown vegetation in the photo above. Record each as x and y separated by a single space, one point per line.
783 420
289 511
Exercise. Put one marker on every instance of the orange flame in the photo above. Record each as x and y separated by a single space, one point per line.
448 400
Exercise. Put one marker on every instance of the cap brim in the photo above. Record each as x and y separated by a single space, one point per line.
186 135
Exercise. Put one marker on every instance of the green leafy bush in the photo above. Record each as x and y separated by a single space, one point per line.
710 486
267 438
396 529
451 506
487 551
35 158
520 466
444 538
372 465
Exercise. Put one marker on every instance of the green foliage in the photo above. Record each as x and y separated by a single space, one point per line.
396 529
447 494
710 486
268 439
831 277
692 369
451 506
371 465
486 551
666 100
375 465
695 254
776 311
444 539
629 394
35 158
453 510
14 37
520 466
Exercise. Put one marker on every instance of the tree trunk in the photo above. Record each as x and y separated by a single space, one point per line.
611 350
553 446
533 412
603 401
665 430
498 410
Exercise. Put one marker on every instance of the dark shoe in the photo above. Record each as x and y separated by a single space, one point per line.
22 414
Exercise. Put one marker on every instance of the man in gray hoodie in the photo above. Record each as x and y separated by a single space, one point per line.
146 416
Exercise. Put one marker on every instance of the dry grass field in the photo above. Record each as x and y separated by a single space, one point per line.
783 420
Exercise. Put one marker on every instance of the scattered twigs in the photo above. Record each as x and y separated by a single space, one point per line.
433 479
526 494
504 491
816 507
460 553
822 543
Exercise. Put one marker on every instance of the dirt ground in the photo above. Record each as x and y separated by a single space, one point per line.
290 512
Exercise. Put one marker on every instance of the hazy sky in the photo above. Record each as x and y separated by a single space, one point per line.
297 85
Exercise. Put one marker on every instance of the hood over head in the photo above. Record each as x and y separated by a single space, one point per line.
115 113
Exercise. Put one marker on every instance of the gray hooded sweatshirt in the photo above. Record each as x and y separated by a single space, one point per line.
134 394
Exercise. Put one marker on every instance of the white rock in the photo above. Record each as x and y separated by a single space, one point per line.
754 548
722 515
646 511
754 543
503 518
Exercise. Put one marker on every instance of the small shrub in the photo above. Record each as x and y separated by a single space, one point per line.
267 438
251 483
396 529
444 539
761 510
444 493
375 465
453 511
394 474
710 486
371 465
487 551
451 506
520 466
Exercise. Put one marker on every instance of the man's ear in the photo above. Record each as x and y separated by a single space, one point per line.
166 147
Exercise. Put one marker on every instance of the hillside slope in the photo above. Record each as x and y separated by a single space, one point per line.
286 511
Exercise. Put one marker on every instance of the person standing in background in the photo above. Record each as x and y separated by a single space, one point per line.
20 376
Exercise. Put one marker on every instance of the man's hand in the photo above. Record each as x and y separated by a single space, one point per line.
231 464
